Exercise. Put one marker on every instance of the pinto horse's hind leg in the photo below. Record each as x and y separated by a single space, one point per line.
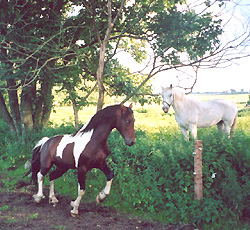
58 172
37 197
110 175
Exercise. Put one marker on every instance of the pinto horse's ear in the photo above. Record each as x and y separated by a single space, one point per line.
123 107
131 106
171 86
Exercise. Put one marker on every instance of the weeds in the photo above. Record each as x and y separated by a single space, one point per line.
155 176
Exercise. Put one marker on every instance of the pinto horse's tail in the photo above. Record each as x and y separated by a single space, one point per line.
35 163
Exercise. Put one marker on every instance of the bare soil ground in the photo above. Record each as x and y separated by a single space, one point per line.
18 211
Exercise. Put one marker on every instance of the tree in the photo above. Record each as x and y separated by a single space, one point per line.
26 57
42 47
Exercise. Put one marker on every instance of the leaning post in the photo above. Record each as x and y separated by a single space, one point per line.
198 170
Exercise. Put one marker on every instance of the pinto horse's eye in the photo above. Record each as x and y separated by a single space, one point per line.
128 121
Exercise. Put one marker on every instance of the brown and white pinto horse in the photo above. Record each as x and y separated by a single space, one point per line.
84 150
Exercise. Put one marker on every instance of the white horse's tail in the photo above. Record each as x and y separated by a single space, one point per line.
233 126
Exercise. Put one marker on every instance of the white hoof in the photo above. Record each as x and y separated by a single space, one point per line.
53 200
98 201
101 197
37 198
74 211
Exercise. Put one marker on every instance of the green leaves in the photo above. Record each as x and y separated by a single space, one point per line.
175 32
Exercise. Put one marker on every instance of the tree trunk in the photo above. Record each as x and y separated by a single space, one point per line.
28 93
75 113
14 105
37 114
72 98
99 76
4 113
46 91
102 51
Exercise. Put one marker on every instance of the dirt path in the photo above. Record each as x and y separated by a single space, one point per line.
18 211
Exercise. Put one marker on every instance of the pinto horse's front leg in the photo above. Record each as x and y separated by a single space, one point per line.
104 193
110 175
75 204
81 190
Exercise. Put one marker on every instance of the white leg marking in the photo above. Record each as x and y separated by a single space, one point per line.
52 198
39 195
104 193
75 204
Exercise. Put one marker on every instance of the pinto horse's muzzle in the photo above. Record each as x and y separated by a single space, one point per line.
129 141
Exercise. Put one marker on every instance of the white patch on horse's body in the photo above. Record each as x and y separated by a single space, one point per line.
80 142
191 113
41 142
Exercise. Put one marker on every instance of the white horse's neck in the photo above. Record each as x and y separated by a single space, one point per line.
179 98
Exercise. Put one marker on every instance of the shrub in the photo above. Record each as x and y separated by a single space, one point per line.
155 176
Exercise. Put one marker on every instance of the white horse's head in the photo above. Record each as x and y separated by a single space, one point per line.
168 99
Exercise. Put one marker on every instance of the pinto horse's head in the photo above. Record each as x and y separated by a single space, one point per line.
125 124
168 98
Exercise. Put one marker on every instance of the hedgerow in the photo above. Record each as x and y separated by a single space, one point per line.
154 177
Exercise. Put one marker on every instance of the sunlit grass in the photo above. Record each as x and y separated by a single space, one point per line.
239 99
149 118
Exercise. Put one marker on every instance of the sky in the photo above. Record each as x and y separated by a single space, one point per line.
234 75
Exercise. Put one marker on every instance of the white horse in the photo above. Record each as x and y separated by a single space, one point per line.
191 114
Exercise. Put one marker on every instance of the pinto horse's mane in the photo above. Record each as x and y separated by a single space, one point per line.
104 116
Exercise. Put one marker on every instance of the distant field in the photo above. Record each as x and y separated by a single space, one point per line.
239 99
149 117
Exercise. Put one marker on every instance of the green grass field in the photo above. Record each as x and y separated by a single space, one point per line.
150 118
160 164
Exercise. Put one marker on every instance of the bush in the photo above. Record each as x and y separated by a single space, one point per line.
155 176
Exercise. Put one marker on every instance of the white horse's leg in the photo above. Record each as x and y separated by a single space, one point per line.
52 198
193 129
227 128
185 133
37 197
104 193
220 126
75 204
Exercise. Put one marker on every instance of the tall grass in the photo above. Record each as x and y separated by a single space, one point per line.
154 177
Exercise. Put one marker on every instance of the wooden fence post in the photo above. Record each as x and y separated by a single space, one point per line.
198 170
